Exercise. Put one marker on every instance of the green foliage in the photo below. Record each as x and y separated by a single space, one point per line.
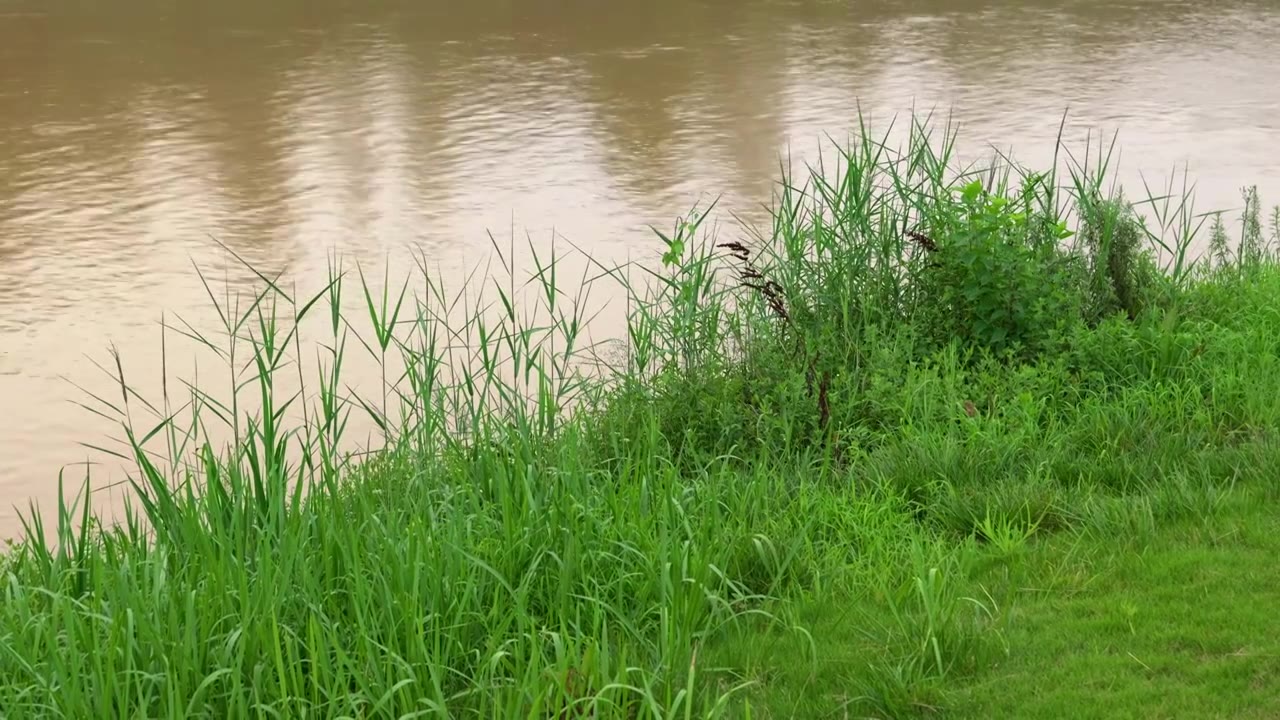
1274 244
1219 243
908 379
996 286
1252 244
1122 272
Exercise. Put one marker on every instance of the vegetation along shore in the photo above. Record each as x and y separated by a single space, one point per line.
943 440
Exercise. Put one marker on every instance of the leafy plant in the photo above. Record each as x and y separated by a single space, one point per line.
994 285
1121 271
1219 243
1007 534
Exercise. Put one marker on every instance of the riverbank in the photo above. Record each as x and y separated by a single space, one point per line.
850 464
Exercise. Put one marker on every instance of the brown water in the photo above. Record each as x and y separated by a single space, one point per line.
132 131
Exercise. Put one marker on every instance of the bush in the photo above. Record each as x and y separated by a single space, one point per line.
995 282
1122 273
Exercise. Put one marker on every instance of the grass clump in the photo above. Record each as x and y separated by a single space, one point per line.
810 483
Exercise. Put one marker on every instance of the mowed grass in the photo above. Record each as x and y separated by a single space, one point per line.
1179 623
962 441
1176 621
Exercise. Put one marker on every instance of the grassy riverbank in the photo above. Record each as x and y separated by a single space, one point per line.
937 441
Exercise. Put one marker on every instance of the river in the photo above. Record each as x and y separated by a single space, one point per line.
134 133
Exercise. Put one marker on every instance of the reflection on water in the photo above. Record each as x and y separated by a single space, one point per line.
133 132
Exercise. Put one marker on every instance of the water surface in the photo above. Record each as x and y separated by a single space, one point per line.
132 133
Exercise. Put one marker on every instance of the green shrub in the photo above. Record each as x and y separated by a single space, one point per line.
1122 272
993 283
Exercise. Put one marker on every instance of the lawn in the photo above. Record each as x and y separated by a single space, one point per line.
1177 623
1173 621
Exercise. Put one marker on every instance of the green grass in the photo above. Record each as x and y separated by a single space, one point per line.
1173 621
941 440
1173 624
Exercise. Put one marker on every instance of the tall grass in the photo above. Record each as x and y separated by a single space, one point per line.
916 359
